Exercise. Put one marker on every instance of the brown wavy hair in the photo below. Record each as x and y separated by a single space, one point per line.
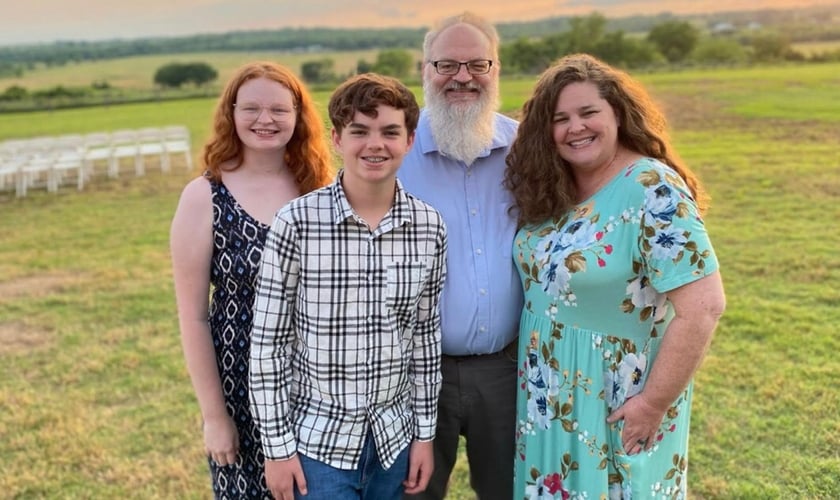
540 180
307 155
364 93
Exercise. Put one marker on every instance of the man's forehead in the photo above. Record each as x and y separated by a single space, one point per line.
461 36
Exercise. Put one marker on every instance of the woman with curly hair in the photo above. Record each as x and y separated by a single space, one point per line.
268 146
622 288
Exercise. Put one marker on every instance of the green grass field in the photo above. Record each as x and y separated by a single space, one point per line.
95 401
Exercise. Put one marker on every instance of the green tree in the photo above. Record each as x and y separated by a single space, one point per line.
14 93
718 50
320 71
585 33
769 46
674 39
200 73
393 62
363 66
177 74
528 57
616 49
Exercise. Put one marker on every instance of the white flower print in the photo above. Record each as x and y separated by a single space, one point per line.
642 295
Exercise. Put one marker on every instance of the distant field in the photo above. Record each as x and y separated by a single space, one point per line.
95 401
811 48
138 72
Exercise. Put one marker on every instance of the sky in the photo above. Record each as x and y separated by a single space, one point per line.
46 21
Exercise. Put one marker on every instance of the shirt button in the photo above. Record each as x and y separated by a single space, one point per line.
478 251
473 211
482 329
482 291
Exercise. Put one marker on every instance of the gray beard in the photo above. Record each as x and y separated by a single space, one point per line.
462 131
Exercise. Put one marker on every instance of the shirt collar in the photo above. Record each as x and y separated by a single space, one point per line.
399 214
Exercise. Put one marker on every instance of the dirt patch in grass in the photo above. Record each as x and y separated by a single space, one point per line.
38 285
18 338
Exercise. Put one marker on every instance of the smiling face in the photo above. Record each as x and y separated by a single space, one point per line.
264 114
461 43
372 148
585 127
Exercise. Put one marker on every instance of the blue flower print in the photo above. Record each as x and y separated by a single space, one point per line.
579 234
661 203
555 278
626 380
667 243
543 386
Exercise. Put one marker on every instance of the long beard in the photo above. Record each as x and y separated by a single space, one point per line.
462 130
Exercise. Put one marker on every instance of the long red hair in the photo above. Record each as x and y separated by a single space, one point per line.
307 154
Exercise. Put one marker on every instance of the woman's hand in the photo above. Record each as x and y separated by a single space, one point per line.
221 440
641 423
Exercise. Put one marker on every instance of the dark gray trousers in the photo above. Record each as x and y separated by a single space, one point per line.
478 401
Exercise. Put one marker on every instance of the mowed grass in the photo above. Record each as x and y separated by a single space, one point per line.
95 401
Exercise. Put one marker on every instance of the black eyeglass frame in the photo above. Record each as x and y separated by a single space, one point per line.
459 64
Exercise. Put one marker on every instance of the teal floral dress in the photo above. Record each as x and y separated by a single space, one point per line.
593 322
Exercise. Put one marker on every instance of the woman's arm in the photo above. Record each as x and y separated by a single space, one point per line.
191 246
697 308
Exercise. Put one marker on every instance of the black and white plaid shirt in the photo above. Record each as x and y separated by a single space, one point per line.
346 335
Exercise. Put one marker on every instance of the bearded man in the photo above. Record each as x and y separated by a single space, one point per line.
457 165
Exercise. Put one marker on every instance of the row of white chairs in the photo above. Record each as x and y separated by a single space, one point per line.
54 161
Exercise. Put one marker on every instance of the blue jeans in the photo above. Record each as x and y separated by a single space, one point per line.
369 482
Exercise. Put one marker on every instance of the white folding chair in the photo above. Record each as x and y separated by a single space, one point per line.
97 149
67 159
176 139
124 145
10 169
150 144
35 172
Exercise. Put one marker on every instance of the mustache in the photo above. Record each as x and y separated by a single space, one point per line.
463 86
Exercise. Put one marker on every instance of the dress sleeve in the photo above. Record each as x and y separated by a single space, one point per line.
674 244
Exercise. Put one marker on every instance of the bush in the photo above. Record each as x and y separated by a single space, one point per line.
177 74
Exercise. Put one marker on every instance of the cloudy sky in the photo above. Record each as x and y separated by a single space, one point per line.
42 21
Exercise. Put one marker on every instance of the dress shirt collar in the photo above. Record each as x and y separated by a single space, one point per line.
399 214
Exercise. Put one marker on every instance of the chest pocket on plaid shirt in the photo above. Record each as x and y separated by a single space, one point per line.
404 280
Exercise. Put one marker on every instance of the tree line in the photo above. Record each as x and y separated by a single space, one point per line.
669 41
803 24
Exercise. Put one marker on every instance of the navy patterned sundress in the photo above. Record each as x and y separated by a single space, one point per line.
238 241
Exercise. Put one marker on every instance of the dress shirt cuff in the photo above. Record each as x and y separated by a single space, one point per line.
282 447
424 429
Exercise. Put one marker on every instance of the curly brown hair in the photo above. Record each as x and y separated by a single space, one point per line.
307 154
540 180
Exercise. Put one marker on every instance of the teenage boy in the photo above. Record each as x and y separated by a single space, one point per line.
345 348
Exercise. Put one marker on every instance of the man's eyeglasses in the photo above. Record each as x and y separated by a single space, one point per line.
448 67
251 111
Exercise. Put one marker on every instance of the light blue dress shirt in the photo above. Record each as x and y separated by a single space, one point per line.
482 297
